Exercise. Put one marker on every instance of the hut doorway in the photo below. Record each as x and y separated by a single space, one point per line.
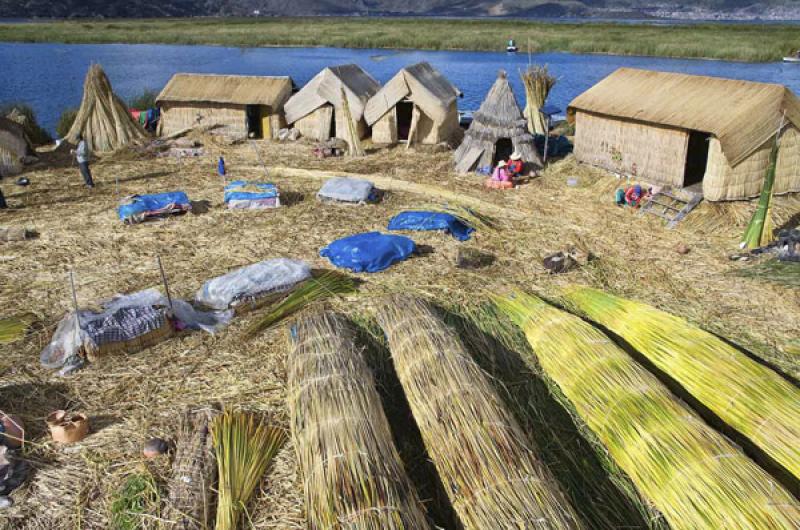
696 158
405 113
332 129
253 121
503 148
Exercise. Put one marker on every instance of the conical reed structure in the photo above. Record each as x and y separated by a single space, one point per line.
489 469
691 473
103 118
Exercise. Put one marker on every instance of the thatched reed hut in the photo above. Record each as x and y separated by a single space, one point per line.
317 110
242 106
14 147
353 476
418 105
103 118
705 134
498 129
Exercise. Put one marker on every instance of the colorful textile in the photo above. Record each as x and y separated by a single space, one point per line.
424 220
251 195
138 208
124 324
369 252
515 167
500 174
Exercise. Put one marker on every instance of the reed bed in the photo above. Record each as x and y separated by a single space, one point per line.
691 473
352 473
244 447
489 469
746 395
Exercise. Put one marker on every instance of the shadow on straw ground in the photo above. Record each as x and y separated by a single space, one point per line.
406 435
599 496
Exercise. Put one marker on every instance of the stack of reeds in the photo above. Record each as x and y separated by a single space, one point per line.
759 230
14 328
488 468
352 474
194 473
691 473
538 82
353 138
103 119
746 395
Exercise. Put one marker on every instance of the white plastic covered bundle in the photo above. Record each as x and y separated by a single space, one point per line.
346 189
264 277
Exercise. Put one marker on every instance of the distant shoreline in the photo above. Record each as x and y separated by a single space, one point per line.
764 42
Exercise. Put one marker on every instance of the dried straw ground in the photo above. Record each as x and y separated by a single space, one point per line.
134 397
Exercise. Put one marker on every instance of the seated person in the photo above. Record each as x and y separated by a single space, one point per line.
515 165
501 173
633 197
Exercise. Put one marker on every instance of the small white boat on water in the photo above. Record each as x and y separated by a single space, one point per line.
791 59
512 46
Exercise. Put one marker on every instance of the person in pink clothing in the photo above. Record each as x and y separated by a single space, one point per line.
501 173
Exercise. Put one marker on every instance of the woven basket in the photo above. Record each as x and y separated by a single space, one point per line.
131 346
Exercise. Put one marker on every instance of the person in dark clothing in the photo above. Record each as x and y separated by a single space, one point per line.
82 156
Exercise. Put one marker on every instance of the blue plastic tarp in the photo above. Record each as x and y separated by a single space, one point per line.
242 190
422 220
369 252
141 205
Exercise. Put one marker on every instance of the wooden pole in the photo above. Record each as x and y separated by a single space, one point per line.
164 280
75 305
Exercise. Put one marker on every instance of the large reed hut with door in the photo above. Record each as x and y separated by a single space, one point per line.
498 129
418 105
317 110
242 106
14 147
704 134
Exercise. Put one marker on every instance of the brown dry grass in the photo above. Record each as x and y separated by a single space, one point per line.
134 397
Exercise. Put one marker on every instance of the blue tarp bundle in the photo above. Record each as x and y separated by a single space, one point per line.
242 190
369 252
138 207
422 220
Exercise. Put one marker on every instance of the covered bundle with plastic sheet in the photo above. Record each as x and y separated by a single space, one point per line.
252 285
126 324
139 208
352 474
426 220
245 195
347 190
491 472
369 252
691 473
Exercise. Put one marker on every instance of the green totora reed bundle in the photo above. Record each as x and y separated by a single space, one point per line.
353 477
691 473
488 468
746 395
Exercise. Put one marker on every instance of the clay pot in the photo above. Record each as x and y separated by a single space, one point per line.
67 428
155 447
14 430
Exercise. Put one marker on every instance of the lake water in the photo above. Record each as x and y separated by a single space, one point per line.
50 76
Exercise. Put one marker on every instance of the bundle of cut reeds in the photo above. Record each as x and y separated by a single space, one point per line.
759 230
746 395
691 473
193 474
353 140
488 468
352 474
103 119
244 447
538 82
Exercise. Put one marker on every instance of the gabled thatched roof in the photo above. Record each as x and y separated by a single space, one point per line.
232 89
326 87
741 114
421 83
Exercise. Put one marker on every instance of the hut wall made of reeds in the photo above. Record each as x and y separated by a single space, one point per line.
192 100
639 116
692 474
304 110
498 120
434 100
13 147
489 468
352 474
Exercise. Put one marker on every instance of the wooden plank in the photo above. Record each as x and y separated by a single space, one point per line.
469 160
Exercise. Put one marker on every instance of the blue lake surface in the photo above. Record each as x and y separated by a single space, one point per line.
50 76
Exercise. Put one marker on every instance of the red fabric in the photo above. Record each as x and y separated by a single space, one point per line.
135 113
515 167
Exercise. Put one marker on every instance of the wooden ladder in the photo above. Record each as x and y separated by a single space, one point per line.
671 207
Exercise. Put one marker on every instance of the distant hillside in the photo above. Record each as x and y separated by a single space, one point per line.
723 9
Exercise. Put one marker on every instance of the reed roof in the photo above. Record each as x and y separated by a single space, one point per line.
423 84
13 138
326 88
741 114
232 89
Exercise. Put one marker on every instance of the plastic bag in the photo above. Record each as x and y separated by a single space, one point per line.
347 189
